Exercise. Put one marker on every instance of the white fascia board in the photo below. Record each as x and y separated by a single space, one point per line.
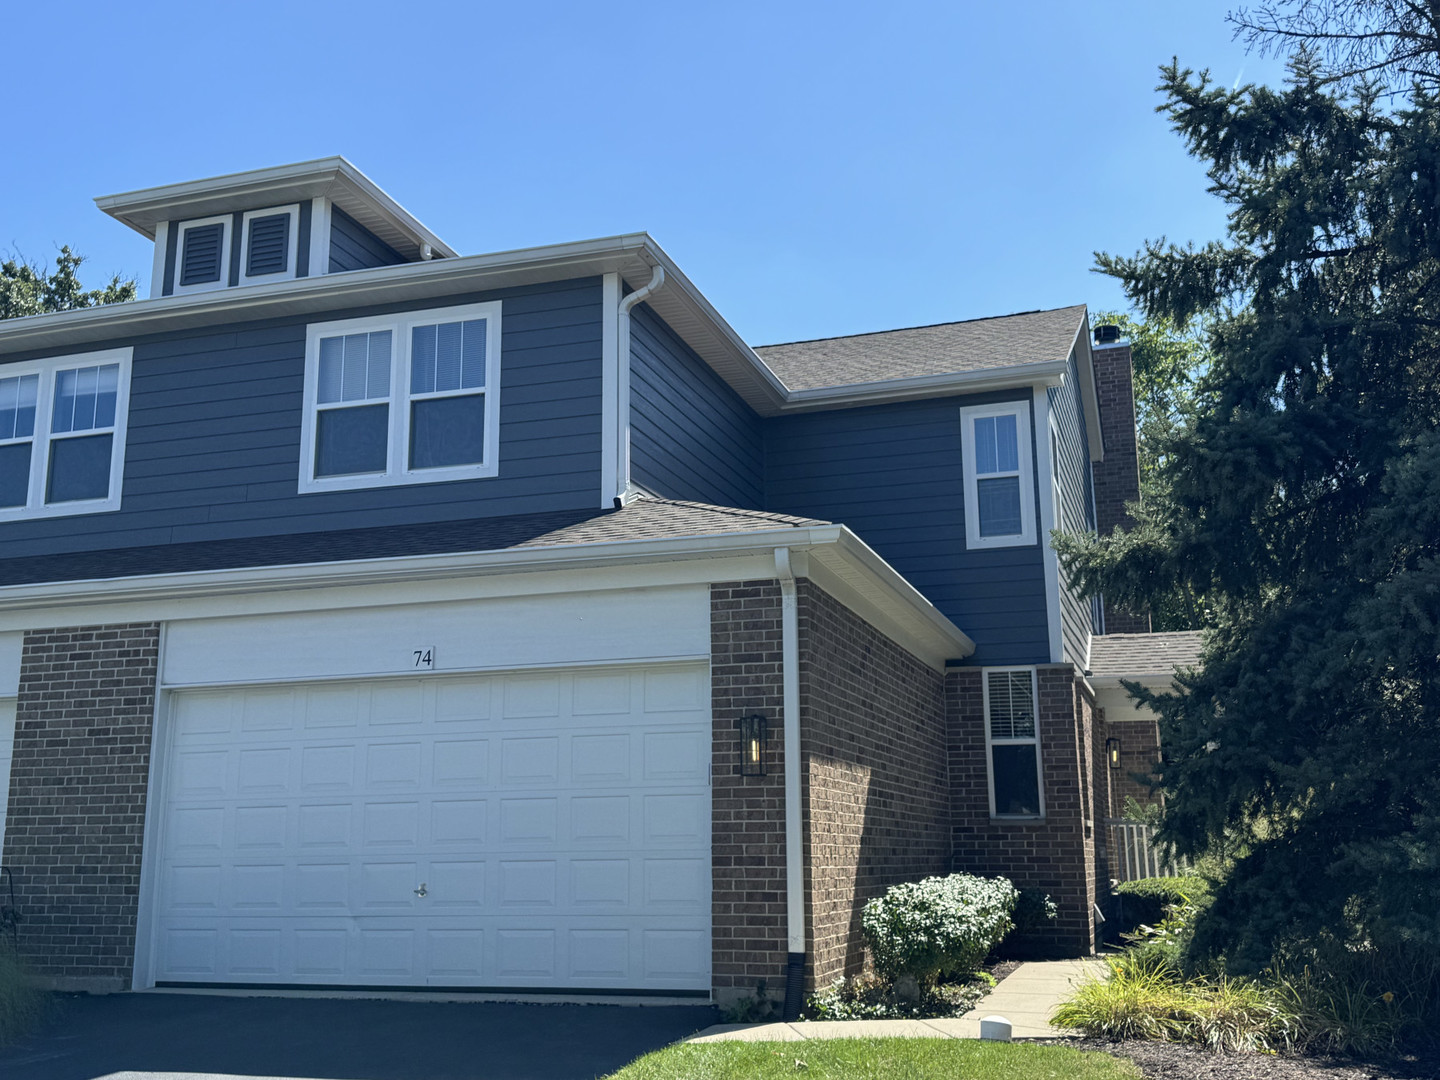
1017 377
853 573
1089 394
332 177
325 293
870 586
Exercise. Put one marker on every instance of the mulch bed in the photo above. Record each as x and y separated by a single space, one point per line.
1171 1061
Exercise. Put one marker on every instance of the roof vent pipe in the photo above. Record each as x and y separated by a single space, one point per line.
1107 334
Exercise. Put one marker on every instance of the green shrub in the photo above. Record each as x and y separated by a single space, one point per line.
1034 910
1143 998
939 926
1146 901
21 1007
872 998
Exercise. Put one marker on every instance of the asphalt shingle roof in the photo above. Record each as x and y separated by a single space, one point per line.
644 519
1031 337
1129 656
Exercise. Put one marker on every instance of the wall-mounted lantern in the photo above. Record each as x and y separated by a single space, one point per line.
754 730
1112 752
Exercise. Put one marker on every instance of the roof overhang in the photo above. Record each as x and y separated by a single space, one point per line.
332 178
633 256
1089 394
830 555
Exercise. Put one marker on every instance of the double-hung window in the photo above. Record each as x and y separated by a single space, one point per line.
999 484
410 398
62 434
1012 743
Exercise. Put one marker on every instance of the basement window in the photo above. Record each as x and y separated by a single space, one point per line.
62 434
411 398
1012 743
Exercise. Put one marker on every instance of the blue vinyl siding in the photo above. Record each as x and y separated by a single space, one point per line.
354 247
894 475
691 436
213 446
1069 419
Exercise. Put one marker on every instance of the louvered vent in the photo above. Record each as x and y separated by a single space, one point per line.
200 261
269 245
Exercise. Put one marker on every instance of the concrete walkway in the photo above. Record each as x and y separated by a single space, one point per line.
1026 998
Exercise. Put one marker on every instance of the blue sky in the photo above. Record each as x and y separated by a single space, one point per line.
816 168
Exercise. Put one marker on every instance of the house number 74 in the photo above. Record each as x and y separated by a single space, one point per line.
425 658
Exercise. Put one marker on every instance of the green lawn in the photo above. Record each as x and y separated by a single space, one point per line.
875 1059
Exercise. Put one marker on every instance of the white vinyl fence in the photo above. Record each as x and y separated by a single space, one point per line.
1133 853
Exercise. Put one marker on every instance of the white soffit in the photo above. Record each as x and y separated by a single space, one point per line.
333 178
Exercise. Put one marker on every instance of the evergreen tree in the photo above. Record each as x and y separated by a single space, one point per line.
1301 502
1167 360
27 289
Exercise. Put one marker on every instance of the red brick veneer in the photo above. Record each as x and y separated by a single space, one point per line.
1054 854
875 780
1117 478
76 816
747 847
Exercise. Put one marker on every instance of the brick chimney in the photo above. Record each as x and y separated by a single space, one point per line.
1117 478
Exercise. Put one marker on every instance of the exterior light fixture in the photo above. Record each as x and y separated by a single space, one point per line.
1112 752
754 730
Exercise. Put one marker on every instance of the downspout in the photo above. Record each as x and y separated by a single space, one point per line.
623 490
794 840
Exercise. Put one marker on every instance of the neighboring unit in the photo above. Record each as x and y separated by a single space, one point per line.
373 616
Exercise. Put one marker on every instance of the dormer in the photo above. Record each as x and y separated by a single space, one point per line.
251 228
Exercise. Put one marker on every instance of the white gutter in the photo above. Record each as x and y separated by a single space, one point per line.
624 490
849 569
790 677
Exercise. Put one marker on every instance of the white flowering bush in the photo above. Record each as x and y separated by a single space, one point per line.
938 926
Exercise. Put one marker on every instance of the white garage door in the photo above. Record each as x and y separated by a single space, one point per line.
535 830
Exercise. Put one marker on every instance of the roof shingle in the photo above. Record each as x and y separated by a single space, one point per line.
1133 656
1032 337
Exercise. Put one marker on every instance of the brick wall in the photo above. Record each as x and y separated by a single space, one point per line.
1117 478
1139 754
748 818
874 777
77 799
1053 854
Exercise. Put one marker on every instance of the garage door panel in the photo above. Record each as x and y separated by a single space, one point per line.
558 822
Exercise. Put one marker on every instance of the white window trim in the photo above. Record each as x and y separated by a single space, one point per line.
226 240
293 210
990 742
397 472
40 442
968 415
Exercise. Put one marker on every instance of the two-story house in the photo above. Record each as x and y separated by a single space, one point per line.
375 616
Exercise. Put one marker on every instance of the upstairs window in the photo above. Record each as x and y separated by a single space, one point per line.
411 398
999 481
62 434
1012 743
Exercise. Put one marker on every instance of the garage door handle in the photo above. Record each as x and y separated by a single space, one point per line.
420 892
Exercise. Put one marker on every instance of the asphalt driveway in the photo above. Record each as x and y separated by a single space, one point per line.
182 1035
